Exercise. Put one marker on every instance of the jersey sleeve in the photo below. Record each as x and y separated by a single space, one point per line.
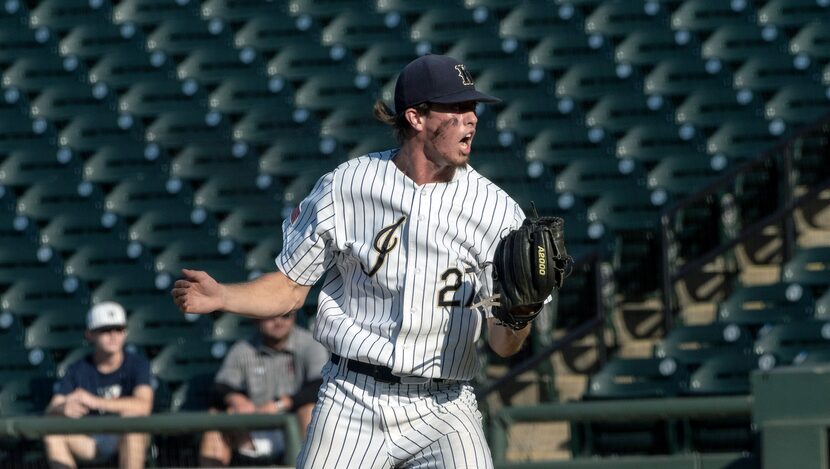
308 236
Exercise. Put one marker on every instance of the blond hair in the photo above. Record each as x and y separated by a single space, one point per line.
400 126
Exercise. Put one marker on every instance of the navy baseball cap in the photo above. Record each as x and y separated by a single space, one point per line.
436 79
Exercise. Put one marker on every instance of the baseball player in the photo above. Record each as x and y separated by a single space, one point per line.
403 237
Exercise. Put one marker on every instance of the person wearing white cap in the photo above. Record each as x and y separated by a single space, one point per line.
109 380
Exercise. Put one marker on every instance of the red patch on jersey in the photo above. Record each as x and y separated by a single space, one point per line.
295 214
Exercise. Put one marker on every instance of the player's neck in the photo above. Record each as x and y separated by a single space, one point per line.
413 162
108 362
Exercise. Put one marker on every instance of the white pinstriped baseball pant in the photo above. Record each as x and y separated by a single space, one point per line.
359 422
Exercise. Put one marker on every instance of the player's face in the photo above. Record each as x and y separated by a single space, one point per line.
450 131
278 328
109 340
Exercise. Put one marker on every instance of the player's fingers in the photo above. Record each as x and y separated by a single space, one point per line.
195 275
184 284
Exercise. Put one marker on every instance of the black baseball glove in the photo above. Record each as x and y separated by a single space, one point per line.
529 265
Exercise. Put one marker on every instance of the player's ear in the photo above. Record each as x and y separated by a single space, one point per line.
415 119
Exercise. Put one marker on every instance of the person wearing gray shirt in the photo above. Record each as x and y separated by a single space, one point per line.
276 371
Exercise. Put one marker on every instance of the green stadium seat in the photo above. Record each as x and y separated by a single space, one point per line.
512 83
711 108
90 42
564 48
152 12
798 105
68 232
822 307
71 357
484 51
19 131
19 40
26 259
618 19
738 140
372 144
682 175
385 60
161 324
237 95
223 193
403 7
440 27
250 225
631 379
47 199
193 394
724 374
21 363
768 304
133 197
270 34
88 132
261 258
735 43
534 20
590 81
179 362
12 332
262 127
791 13
113 164
707 15
693 345
232 327
330 92
647 47
180 35
683 75
763 74
151 98
810 41
211 66
56 330
617 113
157 228
499 164
123 68
27 166
34 73
131 292
595 176
224 261
809 267
523 119
785 344
324 10
298 62
236 10
538 191
98 263
29 295
184 127
359 29
63 102
349 125
25 396
55 14
201 162
626 207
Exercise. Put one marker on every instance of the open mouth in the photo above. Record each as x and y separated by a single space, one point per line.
467 140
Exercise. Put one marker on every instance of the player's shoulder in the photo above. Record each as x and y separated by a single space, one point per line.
480 183
366 163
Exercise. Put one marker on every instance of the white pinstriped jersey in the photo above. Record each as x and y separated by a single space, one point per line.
407 263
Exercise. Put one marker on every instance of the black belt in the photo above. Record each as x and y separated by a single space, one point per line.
378 372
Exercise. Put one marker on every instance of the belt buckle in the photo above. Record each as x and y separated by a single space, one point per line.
414 380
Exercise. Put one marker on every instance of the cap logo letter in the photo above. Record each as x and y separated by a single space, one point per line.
466 79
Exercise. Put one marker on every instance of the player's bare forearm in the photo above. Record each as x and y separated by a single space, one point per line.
139 404
272 294
504 340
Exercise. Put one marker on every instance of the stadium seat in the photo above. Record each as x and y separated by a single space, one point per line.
761 74
200 162
740 140
647 47
237 95
19 39
595 176
512 83
131 292
21 363
768 304
523 119
810 41
112 164
28 296
239 11
90 42
822 307
98 263
150 98
211 66
20 131
785 344
403 7
88 132
329 92
157 228
151 12
224 261
162 324
631 379
358 30
438 28
562 49
57 196
617 113
55 15
27 259
70 231
56 331
261 258
233 327
483 51
693 345
12 332
682 175
26 166
298 62
680 76
384 61
193 395
247 226
708 109
787 14
179 362
135 196
122 68
25 396
703 16
618 19
63 102
223 193
349 125
263 128
798 105
324 10
533 20
270 34
736 43
32 73
180 128
808 267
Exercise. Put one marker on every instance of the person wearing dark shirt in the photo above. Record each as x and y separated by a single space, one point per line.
109 381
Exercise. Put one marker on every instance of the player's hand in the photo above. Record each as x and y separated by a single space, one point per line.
74 409
84 397
197 292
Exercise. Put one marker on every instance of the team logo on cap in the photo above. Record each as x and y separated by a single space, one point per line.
466 78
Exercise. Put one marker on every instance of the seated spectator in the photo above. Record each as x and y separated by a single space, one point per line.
277 371
108 381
